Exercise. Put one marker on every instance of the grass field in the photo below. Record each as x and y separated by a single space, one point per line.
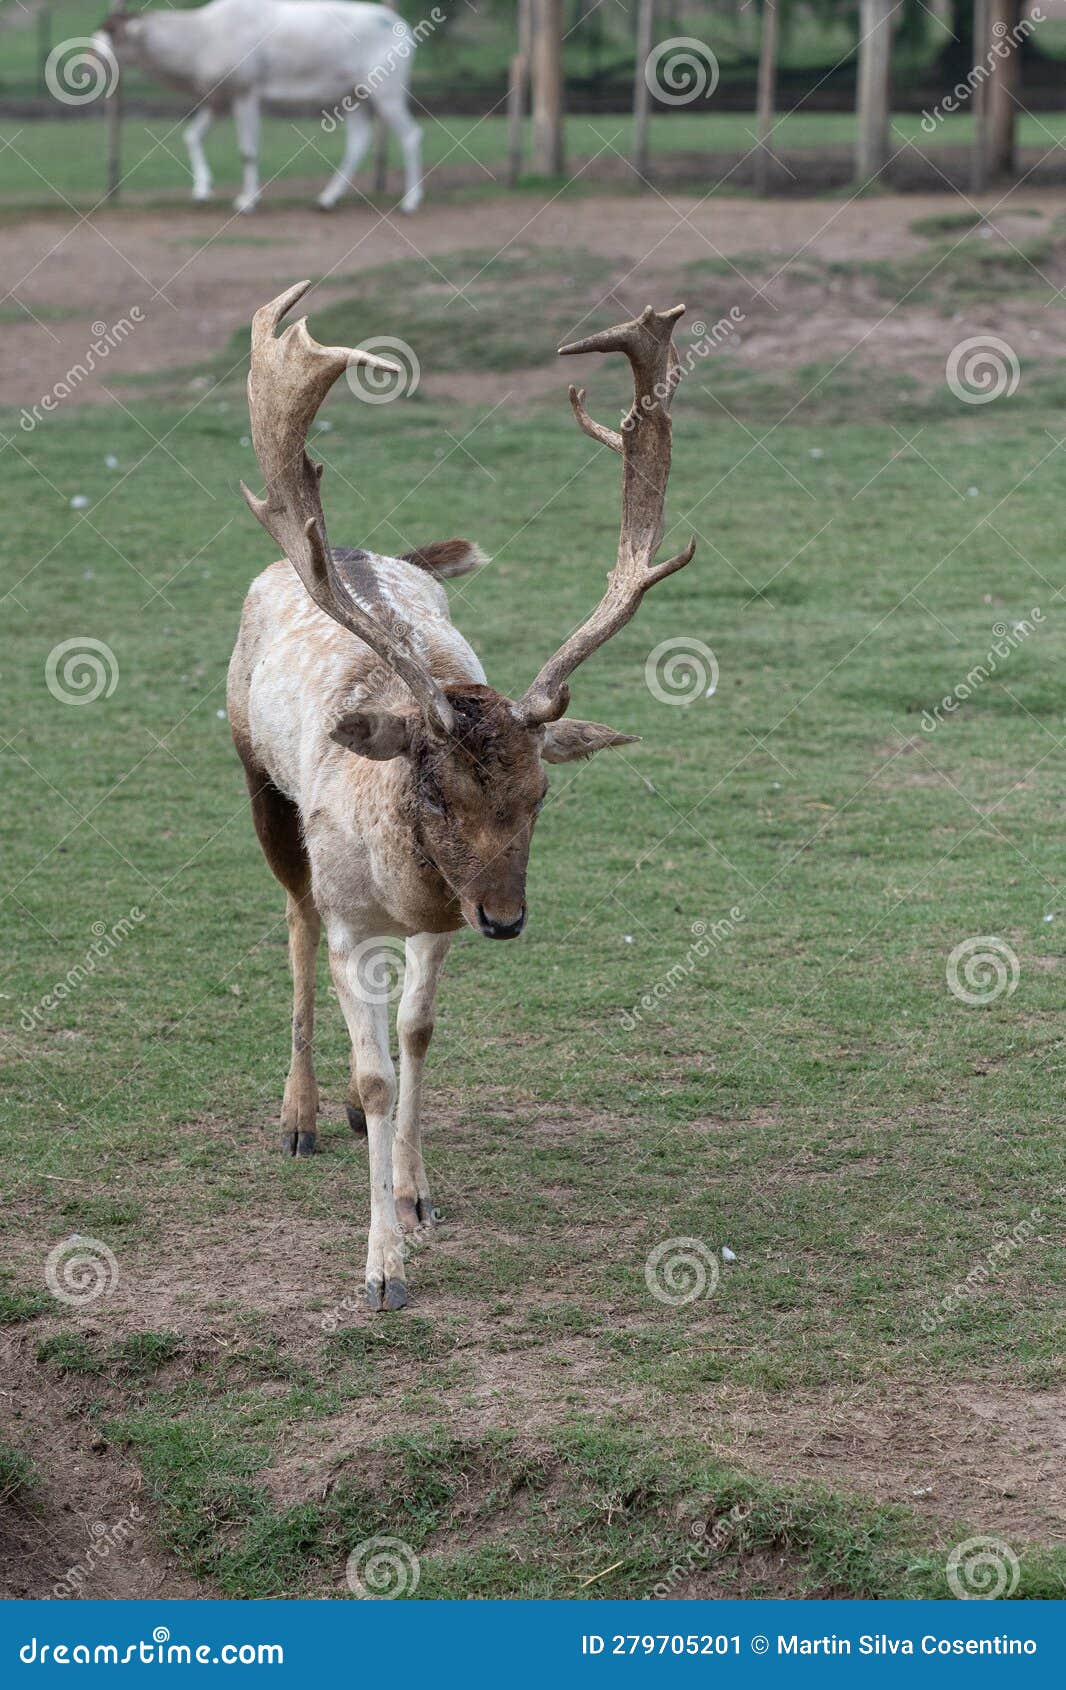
803 1086
53 164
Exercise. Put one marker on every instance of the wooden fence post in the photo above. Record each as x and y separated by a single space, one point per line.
517 86
1001 91
979 145
548 154
767 95
641 91
876 18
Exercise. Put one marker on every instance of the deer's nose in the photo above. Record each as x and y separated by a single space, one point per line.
493 928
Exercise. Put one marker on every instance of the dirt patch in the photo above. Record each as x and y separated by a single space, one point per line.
962 1452
194 285
85 1532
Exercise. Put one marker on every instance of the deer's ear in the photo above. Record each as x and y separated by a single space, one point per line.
374 733
568 741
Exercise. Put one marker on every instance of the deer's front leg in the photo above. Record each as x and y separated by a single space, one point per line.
195 131
246 118
425 954
368 1026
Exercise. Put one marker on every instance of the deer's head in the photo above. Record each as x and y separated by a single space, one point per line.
477 757
117 37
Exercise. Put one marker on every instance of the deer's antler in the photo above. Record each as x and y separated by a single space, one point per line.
289 377
644 443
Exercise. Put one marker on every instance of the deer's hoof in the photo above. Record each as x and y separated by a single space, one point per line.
306 1143
416 1214
287 1142
323 204
385 1295
356 1120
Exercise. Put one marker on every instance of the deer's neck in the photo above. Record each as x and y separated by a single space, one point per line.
385 858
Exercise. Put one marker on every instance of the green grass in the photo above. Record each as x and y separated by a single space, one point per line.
53 163
808 1092
18 1479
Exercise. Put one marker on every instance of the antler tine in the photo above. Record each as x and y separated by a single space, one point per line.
644 443
289 378
596 431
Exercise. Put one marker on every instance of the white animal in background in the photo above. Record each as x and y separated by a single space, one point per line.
393 791
333 56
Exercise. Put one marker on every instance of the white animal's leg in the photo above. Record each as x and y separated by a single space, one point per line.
414 1026
356 141
368 1025
246 118
195 130
300 1106
391 102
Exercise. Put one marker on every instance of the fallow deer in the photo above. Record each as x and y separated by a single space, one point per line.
334 56
393 791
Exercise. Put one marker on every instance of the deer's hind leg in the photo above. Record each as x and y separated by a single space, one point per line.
277 824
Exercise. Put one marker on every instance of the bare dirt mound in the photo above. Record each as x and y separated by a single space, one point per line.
85 1530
